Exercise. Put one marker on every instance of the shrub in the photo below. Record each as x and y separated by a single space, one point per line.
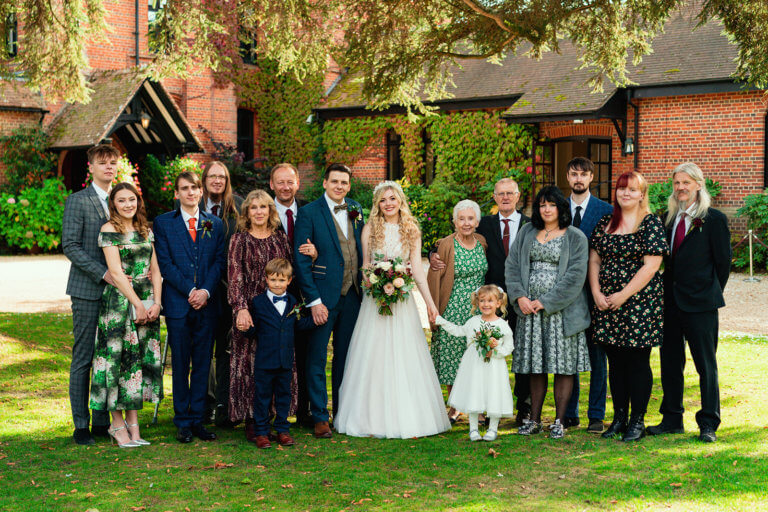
26 161
658 194
755 210
33 217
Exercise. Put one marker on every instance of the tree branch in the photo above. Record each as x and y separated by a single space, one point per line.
482 12
498 49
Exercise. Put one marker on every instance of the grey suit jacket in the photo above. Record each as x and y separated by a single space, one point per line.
567 295
83 218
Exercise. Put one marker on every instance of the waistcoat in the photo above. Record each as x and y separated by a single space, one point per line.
349 252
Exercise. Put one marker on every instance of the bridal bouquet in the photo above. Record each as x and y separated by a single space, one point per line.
483 338
388 282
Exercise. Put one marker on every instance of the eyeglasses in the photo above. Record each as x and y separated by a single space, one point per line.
505 194
216 178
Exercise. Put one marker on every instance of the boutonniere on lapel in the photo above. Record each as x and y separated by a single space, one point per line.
206 227
696 224
297 310
355 214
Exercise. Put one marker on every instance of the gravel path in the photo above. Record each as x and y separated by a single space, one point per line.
33 284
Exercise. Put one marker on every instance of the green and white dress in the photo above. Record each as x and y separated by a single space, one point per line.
127 370
469 268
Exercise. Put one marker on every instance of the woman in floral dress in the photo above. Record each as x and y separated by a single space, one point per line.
127 369
627 250
465 266
257 241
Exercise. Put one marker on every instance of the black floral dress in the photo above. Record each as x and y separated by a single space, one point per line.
638 322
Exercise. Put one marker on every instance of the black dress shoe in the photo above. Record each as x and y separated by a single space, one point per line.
305 421
664 428
571 422
184 435
636 428
82 436
522 416
707 436
100 431
203 433
618 425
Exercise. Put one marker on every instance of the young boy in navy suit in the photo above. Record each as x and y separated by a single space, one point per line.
274 315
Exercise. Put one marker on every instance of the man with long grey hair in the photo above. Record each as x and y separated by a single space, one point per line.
695 273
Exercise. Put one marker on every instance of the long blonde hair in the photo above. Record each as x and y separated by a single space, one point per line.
489 289
409 228
258 196
703 199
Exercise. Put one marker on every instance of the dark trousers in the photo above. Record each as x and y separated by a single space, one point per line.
629 371
700 330
222 339
301 345
598 383
85 321
341 323
267 384
191 341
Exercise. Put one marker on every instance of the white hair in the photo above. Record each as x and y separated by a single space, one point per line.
466 204
703 200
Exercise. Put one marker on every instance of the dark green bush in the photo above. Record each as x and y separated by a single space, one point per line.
27 163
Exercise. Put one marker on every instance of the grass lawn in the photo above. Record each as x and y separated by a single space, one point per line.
41 469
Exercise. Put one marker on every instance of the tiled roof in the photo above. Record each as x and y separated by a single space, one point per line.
80 125
555 85
13 94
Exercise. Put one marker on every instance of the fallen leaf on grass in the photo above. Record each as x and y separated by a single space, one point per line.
676 484
327 483
90 495
708 455
259 489
451 485
406 495
287 486
362 500
613 502
735 462
136 509
261 467
310 454
493 453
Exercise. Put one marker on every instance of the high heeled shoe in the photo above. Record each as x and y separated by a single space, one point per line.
139 441
114 430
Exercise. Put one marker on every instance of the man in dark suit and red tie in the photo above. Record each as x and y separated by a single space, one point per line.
695 274
191 253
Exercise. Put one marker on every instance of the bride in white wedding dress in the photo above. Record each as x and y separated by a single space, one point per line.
390 388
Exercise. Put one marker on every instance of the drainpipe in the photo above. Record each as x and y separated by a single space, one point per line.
636 108
136 32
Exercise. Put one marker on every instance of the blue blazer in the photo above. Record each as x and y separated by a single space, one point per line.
596 208
274 332
185 264
322 279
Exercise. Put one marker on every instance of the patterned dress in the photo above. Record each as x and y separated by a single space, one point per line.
540 343
639 321
248 256
127 370
469 270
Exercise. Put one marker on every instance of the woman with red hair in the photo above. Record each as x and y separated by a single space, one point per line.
626 251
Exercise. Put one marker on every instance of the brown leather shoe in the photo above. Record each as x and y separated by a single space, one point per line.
285 439
262 442
322 430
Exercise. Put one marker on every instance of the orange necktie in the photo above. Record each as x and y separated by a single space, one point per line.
192 229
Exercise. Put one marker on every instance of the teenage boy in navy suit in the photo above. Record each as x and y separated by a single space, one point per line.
192 256
274 315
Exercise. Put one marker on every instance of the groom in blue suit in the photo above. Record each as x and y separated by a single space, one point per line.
191 253
330 284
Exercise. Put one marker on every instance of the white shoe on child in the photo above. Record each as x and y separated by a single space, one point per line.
474 436
490 435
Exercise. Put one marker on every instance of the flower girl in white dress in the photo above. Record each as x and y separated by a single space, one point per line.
390 388
482 381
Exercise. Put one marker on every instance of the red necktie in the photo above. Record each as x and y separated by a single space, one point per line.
192 229
679 234
289 230
215 210
505 236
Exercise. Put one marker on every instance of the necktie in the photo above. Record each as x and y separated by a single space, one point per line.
339 207
679 234
215 210
577 217
193 229
505 236
289 225
277 299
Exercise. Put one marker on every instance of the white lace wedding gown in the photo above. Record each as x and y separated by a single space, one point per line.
390 388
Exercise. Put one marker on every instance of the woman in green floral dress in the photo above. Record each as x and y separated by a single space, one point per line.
465 266
127 369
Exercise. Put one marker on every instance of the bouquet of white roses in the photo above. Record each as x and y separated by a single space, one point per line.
483 337
387 282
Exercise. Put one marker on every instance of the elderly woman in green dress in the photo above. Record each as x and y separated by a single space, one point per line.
126 362
463 254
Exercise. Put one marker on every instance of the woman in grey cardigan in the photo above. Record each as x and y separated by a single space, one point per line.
545 274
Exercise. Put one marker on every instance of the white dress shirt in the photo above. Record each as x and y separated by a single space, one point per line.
514 225
279 305
342 216
103 197
283 217
688 219
583 205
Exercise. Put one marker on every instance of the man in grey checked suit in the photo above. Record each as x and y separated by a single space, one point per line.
84 214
